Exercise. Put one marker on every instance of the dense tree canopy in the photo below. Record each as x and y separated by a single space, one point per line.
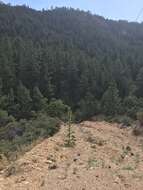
92 64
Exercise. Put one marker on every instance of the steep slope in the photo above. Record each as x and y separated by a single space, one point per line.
69 26
105 158
70 55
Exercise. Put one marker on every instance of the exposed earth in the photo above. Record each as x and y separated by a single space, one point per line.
105 157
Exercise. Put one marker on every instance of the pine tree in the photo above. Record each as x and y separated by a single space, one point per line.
24 100
1 87
12 105
3 98
140 83
70 138
39 102
88 107
131 106
111 100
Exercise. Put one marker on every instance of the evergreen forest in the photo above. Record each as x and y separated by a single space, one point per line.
60 59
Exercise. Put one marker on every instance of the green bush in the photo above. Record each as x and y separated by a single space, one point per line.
124 120
138 130
140 118
16 134
111 102
131 106
57 108
87 108
4 118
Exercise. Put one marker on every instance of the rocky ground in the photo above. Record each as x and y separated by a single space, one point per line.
105 157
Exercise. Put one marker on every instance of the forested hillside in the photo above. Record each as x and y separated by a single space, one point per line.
50 59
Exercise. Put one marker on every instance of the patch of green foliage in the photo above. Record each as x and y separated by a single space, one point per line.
24 132
57 108
41 123
129 168
122 119
140 118
138 130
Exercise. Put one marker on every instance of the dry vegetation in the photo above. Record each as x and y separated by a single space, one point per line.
104 157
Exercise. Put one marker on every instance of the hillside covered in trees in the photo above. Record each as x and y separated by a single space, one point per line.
58 57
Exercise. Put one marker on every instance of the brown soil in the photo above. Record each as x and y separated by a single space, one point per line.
104 158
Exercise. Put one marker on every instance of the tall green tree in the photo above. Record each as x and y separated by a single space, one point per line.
111 100
140 83
88 107
24 100
39 102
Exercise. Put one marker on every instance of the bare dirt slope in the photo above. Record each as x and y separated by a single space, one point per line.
104 158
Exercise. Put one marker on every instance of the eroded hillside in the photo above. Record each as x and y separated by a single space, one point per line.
105 157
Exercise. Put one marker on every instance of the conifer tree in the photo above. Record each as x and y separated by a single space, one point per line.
24 100
0 87
70 138
140 83
12 105
39 102
111 100
88 107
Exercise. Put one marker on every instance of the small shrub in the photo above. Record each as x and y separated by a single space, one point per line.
4 118
138 130
140 118
124 120
129 168
10 171
92 163
91 140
